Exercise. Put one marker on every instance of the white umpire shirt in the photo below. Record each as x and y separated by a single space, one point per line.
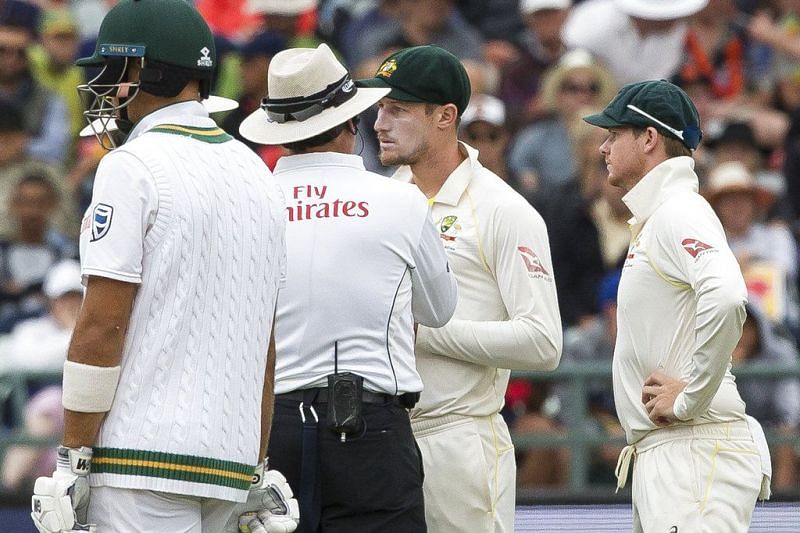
364 264
680 304
507 315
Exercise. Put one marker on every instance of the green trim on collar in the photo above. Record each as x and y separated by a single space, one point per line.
214 135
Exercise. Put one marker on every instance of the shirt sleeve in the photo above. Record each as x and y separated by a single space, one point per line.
434 291
692 249
519 259
124 206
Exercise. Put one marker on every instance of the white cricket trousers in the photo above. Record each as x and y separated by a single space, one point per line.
470 473
116 510
696 479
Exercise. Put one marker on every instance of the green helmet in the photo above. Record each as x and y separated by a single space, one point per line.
171 42
167 31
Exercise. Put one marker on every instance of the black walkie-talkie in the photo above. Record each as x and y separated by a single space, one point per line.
344 399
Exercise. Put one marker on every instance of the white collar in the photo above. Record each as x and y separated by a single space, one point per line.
664 180
318 159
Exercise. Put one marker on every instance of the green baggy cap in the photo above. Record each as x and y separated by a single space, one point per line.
428 74
656 103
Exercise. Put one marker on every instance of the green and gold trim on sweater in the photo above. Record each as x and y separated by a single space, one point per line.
212 135
172 466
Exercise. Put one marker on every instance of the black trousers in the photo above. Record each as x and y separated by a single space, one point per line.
372 482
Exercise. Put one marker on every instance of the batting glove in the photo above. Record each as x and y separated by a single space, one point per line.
60 503
270 507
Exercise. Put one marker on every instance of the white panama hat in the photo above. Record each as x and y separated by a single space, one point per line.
213 104
310 92
660 9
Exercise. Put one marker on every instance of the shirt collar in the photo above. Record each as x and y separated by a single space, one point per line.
663 181
456 183
190 113
288 163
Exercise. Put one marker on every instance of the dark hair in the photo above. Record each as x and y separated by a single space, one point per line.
319 139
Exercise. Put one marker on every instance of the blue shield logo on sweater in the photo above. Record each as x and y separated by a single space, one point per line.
101 221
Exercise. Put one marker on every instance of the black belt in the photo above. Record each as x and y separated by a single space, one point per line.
407 400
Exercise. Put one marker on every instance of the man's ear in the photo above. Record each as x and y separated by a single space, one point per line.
652 138
448 115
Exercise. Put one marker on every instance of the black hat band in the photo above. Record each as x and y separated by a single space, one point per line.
304 107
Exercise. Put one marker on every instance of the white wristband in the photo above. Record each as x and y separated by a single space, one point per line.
89 388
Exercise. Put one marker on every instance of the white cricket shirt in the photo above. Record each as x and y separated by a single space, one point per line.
362 259
196 220
507 314
680 305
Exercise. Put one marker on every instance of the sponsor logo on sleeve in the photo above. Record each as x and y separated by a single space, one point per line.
101 221
532 262
694 247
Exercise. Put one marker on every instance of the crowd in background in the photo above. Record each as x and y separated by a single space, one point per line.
536 67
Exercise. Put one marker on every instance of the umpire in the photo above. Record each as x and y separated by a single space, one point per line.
364 266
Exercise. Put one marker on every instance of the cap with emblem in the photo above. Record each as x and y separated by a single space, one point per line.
656 103
428 74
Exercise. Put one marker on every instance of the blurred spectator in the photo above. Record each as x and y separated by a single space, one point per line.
540 48
15 164
43 418
637 39
496 20
45 115
52 62
767 253
382 16
483 126
776 404
295 21
736 142
591 342
723 85
256 55
41 343
609 213
778 27
537 467
574 239
20 13
33 248
420 22
715 52
542 155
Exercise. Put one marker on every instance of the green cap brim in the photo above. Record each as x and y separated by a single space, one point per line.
395 93
91 61
603 120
